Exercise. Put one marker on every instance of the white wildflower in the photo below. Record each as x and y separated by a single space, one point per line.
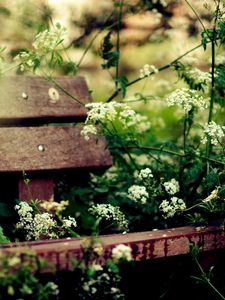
148 70
213 132
121 252
14 261
48 40
199 76
54 287
113 111
52 205
138 193
172 186
212 196
111 213
96 267
186 99
99 111
170 208
87 130
145 174
67 223
43 224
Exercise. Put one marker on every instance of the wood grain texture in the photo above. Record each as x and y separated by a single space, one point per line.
63 148
145 245
39 104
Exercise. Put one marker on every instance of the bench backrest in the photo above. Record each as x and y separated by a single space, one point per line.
33 134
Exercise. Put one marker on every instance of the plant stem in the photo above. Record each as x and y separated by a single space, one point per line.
155 149
184 132
92 41
120 12
50 78
116 92
207 280
212 94
197 16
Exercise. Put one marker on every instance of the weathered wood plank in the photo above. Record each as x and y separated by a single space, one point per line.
145 245
50 148
29 97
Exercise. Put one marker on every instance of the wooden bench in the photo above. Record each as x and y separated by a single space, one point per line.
35 139
30 109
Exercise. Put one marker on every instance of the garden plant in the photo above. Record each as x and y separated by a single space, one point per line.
167 146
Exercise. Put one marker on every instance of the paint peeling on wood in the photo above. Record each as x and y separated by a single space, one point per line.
145 245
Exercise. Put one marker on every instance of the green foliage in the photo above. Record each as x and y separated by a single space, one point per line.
111 57
19 280
186 73
221 32
122 83
3 238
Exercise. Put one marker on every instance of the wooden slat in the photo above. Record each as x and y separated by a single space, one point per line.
63 148
40 103
145 245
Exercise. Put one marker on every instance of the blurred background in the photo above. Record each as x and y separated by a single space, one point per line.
154 32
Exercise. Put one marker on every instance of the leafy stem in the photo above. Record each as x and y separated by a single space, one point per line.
167 66
212 94
185 132
206 279
120 13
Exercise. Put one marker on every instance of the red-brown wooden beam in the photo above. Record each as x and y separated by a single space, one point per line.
145 245
34 98
50 148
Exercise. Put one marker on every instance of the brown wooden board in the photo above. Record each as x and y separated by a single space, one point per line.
145 245
27 97
50 148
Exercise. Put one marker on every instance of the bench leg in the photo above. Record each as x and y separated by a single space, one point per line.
42 189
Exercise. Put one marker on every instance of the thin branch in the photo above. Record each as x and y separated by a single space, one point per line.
152 73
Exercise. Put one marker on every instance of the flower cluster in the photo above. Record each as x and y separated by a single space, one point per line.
172 186
39 225
53 206
121 252
169 208
109 213
48 40
138 193
45 42
129 118
106 113
199 76
87 130
212 196
145 174
148 70
213 132
68 223
99 111
98 282
186 99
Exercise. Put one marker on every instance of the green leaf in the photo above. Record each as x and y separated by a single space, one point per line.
122 81
4 210
102 190
111 57
3 238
